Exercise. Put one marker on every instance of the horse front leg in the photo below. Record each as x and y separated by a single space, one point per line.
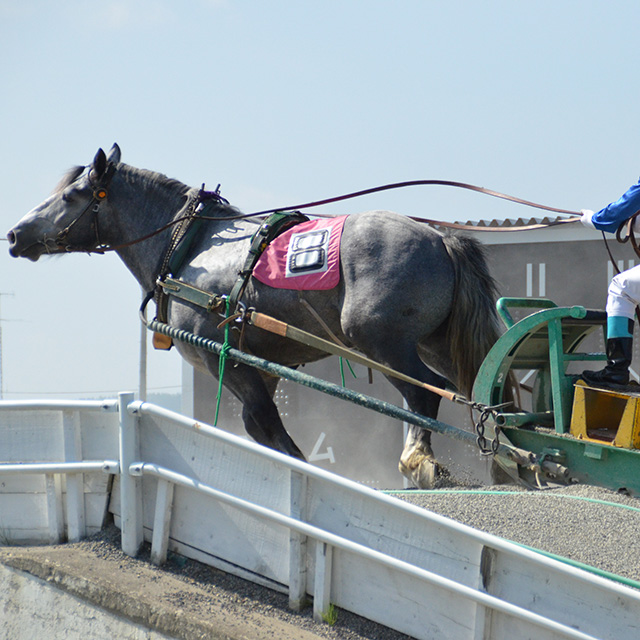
260 415
260 420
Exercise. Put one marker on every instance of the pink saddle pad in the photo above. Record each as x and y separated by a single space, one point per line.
304 257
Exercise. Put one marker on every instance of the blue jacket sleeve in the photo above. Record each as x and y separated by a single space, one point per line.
613 215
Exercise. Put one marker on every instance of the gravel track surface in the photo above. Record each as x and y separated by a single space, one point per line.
573 522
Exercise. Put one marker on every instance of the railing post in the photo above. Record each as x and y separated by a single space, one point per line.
483 615
322 583
76 529
162 522
297 543
130 486
55 513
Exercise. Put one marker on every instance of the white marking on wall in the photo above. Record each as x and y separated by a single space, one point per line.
542 280
316 455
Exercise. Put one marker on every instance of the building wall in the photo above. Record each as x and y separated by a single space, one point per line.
573 272
568 266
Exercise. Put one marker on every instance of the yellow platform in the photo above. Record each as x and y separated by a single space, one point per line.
607 416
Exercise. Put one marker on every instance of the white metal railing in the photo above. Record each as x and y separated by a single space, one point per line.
324 554
192 486
50 468
109 406
328 541
64 505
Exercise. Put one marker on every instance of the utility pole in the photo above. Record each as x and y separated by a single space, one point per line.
1 319
142 377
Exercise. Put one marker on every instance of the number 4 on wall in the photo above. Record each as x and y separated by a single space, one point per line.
316 455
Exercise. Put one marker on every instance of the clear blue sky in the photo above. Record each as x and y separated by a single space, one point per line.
284 102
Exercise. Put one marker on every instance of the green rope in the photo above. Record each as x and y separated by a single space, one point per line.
353 373
222 358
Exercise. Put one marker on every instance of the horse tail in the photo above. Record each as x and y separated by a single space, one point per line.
473 321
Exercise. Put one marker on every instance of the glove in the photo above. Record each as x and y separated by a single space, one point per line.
587 214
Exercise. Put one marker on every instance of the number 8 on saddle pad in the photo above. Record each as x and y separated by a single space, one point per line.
304 257
308 252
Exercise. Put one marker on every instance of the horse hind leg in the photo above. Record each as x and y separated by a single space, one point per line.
417 461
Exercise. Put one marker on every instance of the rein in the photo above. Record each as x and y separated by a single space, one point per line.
444 183
627 227
210 195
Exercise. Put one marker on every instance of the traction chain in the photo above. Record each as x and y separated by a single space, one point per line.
487 447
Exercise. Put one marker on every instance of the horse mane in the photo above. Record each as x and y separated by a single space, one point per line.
162 184
147 177
69 178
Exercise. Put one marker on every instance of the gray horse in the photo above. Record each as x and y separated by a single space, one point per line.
408 295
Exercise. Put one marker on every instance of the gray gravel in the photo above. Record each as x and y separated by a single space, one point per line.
572 522
235 596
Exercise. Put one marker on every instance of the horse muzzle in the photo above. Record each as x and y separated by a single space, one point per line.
27 242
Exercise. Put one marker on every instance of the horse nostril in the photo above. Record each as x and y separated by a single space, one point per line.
11 237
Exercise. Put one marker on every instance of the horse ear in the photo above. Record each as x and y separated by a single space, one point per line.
99 165
114 154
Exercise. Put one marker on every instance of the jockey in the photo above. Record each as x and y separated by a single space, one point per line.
623 295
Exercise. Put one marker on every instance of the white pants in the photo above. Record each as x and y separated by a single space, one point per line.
624 293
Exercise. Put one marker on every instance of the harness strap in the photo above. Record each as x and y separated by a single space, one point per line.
285 330
98 196
272 227
627 228
201 298
182 238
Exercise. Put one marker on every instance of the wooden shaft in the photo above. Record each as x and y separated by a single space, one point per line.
285 330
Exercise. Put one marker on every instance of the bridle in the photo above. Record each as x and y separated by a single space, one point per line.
98 196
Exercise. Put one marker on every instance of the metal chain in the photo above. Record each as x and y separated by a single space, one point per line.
487 447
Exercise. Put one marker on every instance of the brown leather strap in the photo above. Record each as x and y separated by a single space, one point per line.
474 227
628 225
444 183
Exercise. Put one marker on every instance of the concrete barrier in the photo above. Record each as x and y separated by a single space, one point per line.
92 590
37 608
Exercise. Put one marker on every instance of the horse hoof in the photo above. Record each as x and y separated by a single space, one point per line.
424 475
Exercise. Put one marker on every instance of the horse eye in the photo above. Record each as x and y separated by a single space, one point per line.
68 196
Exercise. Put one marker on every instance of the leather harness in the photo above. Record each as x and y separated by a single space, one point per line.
182 241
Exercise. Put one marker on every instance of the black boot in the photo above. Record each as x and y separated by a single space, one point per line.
619 356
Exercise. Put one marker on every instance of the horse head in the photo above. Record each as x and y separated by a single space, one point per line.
68 220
